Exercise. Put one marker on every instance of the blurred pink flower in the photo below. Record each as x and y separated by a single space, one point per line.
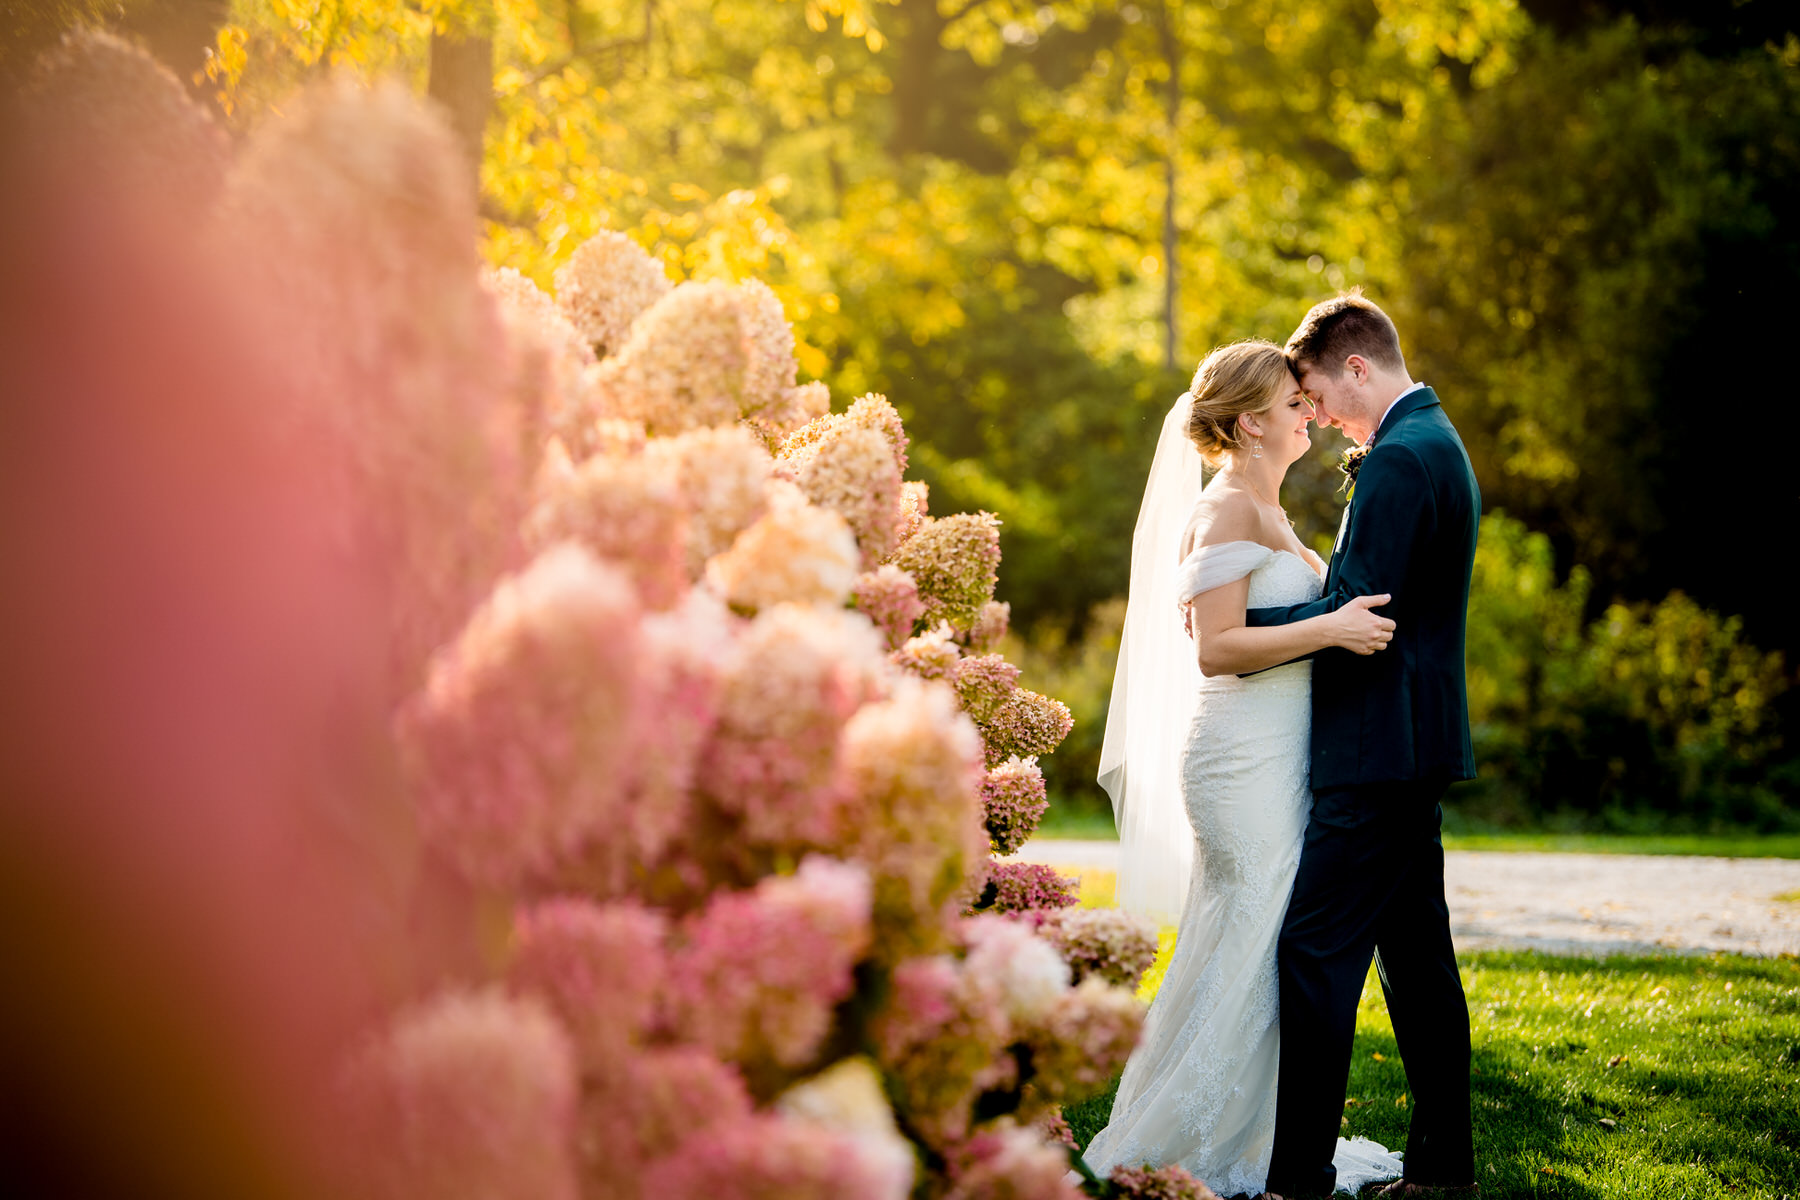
521 745
1006 1162
1013 800
1025 725
664 1098
598 967
775 1158
1082 1039
535 326
990 626
467 1096
605 285
1159 1183
761 972
891 599
1014 968
625 509
938 1037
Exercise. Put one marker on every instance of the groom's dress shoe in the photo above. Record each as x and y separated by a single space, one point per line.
1400 1189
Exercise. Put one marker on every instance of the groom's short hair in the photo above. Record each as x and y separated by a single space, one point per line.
1349 323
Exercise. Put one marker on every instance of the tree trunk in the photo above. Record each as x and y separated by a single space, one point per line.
461 78
918 29
1172 55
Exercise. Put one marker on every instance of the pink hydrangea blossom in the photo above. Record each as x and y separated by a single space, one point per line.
761 971
793 681
1159 1183
795 553
990 626
1026 724
954 560
891 599
605 285
1014 967
1106 943
938 1037
1030 891
468 1096
598 967
983 682
1082 1039
1006 1162
775 1158
683 366
1054 1128
931 655
628 510
663 1099
520 745
1013 800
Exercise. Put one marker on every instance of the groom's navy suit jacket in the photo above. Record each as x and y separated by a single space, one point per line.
1401 713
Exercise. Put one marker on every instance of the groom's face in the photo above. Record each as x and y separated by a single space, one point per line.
1337 399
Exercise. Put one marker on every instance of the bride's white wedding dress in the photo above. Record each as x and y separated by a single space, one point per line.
1200 1089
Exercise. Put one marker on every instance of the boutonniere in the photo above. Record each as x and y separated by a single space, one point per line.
1350 464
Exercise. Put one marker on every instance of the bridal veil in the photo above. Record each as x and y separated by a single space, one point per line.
1155 689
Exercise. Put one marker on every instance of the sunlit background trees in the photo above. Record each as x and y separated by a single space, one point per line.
1024 223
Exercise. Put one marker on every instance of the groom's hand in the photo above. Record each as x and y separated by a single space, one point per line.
1362 631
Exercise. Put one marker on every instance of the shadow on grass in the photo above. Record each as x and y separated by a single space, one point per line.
1604 1078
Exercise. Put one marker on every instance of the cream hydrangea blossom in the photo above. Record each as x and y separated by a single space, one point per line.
722 472
534 324
796 553
851 471
915 502
684 366
933 654
605 285
848 1097
769 378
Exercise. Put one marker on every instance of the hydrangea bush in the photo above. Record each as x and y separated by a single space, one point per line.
695 712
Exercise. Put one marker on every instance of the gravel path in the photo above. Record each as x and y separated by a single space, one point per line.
1585 903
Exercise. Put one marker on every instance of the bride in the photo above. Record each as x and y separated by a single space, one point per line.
1231 745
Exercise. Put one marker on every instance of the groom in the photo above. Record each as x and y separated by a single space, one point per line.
1390 732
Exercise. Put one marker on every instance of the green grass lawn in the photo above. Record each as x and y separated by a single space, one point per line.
1661 1077
1065 822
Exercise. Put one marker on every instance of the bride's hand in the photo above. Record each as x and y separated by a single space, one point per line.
1361 631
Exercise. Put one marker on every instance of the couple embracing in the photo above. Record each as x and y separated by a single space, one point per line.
1307 754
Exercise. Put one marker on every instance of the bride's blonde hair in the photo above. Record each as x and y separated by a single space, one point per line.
1244 377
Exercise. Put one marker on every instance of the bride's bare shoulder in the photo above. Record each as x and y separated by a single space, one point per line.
1223 515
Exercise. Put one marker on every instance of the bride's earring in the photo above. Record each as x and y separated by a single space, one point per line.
1256 447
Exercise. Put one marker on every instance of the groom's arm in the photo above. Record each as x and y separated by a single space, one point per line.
1395 513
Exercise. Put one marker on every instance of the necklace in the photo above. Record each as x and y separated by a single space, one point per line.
1254 491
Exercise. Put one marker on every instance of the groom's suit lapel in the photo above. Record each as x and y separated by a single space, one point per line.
1404 407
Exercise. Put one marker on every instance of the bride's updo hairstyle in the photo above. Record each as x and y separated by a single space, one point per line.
1244 377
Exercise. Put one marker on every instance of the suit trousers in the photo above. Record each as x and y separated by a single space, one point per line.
1371 885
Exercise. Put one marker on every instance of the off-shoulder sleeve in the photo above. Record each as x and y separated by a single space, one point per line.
1209 567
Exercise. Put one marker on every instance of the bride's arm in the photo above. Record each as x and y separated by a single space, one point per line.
1227 646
